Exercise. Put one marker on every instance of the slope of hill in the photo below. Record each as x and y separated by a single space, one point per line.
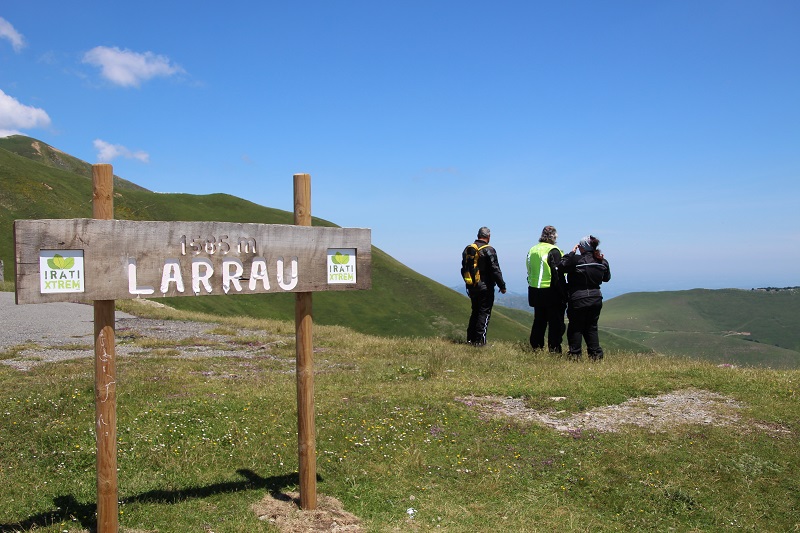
401 302
728 325
51 157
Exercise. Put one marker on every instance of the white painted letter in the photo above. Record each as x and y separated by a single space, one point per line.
132 287
228 277
171 273
258 271
197 263
281 273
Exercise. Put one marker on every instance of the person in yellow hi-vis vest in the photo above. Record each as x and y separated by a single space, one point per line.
546 292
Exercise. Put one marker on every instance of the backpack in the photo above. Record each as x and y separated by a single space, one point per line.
469 265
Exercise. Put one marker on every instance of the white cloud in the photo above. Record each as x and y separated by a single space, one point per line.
127 68
7 31
15 116
107 152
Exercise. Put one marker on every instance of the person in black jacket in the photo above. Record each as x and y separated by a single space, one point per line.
482 295
585 269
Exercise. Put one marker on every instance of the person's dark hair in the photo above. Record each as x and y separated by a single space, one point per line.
549 234
595 242
484 232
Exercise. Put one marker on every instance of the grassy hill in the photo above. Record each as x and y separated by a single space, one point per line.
726 326
470 440
38 181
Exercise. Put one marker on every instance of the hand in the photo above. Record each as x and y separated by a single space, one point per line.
502 291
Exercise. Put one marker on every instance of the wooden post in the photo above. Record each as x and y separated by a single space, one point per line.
306 431
105 373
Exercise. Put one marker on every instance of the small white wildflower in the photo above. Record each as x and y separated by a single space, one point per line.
411 512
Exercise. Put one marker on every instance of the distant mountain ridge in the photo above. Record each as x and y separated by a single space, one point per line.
729 326
510 299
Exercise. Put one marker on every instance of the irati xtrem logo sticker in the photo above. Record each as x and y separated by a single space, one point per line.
341 265
61 271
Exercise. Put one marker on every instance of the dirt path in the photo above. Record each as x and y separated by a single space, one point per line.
52 324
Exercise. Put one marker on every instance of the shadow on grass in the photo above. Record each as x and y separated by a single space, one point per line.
71 510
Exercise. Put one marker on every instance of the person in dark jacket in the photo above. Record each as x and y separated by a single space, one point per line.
482 295
546 291
586 269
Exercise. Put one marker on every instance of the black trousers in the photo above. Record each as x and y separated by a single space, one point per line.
583 326
550 318
482 302
548 314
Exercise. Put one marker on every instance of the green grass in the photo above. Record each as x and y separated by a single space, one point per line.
203 439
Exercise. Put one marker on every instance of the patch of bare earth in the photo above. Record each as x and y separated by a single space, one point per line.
283 511
656 413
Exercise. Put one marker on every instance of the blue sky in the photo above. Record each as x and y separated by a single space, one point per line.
670 130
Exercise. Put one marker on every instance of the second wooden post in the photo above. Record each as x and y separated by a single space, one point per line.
306 430
105 373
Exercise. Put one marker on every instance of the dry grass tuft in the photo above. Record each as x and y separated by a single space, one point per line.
283 511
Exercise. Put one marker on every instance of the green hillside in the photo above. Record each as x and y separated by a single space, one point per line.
726 326
37 181
51 157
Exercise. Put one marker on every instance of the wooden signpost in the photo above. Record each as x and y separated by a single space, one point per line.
105 372
304 367
100 260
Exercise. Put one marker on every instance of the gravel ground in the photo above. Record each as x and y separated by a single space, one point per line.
60 331
660 413
54 324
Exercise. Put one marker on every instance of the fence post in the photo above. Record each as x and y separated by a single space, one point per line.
306 432
105 373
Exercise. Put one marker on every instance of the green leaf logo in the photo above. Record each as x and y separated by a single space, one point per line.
61 263
340 259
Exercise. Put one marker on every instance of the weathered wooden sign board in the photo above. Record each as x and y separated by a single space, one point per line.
82 260
101 260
